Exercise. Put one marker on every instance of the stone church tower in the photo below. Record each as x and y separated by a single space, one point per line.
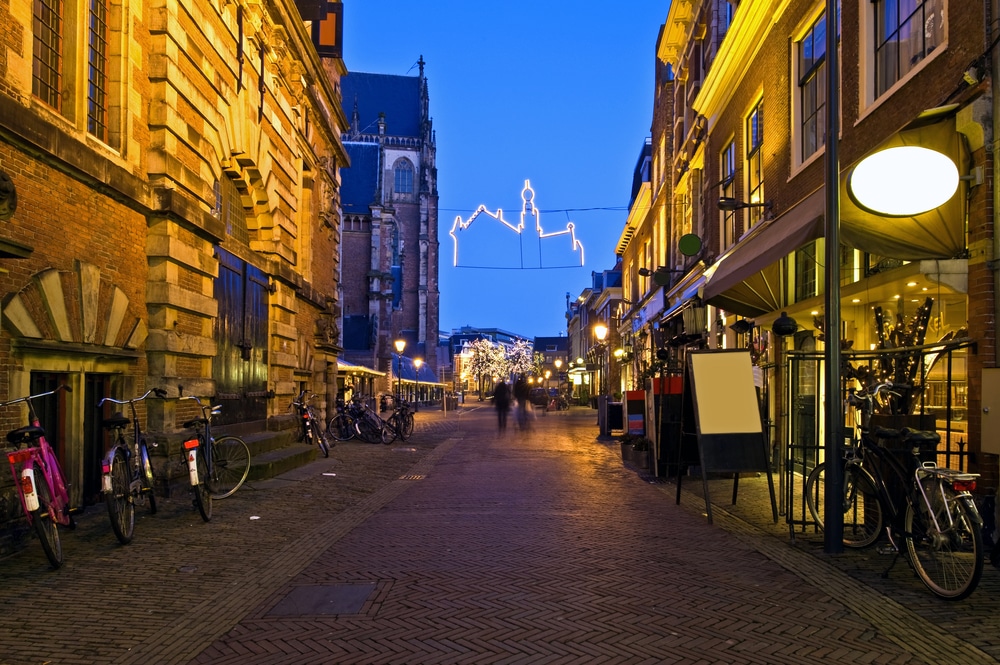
390 205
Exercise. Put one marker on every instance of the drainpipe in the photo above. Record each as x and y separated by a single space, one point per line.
994 94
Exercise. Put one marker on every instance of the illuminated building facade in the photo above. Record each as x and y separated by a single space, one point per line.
176 221
389 272
729 235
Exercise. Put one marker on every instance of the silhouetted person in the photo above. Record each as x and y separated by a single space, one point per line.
521 394
501 401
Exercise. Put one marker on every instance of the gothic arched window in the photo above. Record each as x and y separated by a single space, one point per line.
403 171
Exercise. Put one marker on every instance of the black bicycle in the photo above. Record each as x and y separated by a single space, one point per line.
311 430
126 472
400 423
218 467
359 420
927 512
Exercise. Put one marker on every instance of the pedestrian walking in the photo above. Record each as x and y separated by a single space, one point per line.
501 401
521 394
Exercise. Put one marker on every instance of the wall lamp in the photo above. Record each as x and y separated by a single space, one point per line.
730 204
742 326
661 276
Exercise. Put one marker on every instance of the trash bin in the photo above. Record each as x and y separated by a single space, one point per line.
616 418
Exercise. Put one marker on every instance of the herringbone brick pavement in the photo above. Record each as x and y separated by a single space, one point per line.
461 547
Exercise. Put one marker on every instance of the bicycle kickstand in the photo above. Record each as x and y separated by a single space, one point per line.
890 548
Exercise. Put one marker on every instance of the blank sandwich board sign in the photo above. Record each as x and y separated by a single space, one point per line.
727 418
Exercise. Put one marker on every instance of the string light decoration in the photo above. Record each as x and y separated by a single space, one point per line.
524 230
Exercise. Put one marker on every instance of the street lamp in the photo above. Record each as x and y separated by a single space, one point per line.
558 364
601 331
417 362
400 345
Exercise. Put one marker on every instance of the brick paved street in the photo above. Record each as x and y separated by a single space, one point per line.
461 547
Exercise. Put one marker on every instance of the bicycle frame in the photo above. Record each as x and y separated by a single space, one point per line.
203 427
131 449
38 457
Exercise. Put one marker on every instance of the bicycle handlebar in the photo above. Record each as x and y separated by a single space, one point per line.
31 397
159 392
205 408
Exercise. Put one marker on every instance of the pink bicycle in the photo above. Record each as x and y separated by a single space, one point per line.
39 480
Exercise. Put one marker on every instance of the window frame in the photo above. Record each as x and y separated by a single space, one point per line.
403 166
727 188
754 161
872 97
48 25
98 69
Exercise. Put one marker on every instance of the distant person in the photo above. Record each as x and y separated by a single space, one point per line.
521 394
501 401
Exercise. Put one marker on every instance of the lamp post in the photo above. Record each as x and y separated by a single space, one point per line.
558 364
417 362
400 344
601 332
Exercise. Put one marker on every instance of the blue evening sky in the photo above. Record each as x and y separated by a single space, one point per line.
556 92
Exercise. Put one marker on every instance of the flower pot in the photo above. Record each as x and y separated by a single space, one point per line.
640 458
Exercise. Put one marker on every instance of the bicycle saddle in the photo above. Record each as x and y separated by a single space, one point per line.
191 423
919 436
117 420
25 435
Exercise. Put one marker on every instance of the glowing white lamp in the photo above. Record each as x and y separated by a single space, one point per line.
903 181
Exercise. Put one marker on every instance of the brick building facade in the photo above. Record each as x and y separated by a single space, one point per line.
744 169
177 221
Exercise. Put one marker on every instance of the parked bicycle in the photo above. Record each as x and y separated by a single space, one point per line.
126 472
311 431
400 423
927 512
216 467
358 420
39 481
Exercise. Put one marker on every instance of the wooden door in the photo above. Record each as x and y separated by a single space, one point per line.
240 365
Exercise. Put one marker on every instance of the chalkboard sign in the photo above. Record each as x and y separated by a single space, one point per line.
723 404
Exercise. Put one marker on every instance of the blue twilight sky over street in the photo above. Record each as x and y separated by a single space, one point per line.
559 93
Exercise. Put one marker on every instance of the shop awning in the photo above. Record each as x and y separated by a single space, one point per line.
684 294
344 367
746 280
937 234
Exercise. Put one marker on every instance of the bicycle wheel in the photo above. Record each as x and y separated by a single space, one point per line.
863 514
407 426
341 427
230 466
121 507
395 426
369 430
949 560
320 438
43 521
202 495
146 475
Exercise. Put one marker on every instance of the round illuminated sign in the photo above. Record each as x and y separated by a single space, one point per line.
903 181
689 244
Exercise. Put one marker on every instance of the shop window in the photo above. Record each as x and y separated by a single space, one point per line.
806 274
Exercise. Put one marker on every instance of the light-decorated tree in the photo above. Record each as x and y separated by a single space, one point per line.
487 361
520 358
